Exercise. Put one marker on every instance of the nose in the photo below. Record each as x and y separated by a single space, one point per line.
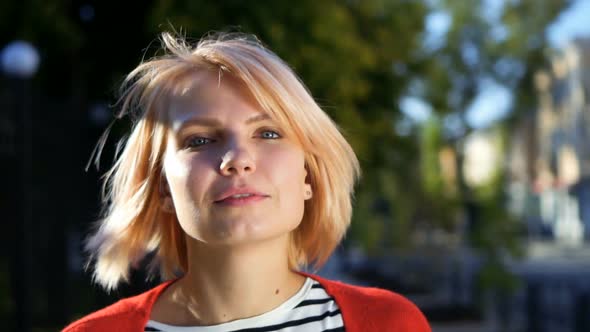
237 161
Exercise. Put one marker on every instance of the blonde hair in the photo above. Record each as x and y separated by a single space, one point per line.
134 225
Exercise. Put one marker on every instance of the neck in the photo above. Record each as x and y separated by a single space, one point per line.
233 282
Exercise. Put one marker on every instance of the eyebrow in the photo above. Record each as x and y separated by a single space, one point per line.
211 122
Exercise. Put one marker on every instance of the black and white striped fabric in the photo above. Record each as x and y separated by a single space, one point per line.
311 309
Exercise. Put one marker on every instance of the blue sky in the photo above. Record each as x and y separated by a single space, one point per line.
495 101
574 22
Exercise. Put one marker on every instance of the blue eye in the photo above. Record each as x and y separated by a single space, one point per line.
269 134
196 142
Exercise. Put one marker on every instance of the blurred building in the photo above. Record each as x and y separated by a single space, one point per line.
549 189
550 155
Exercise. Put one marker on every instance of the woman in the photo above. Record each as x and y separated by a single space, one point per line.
233 178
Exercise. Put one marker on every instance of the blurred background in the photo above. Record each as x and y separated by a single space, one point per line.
471 120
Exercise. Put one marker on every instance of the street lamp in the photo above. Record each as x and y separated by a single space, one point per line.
20 61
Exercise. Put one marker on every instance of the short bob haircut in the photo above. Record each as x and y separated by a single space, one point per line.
134 227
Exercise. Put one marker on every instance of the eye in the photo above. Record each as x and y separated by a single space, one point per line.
269 134
195 142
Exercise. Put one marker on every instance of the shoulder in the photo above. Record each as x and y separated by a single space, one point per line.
129 314
380 308
119 314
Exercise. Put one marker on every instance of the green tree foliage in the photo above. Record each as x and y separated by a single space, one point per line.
505 45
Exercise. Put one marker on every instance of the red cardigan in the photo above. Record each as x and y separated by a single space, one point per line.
363 310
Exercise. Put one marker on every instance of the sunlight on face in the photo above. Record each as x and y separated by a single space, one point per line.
234 177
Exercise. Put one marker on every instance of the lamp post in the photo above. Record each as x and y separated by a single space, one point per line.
20 61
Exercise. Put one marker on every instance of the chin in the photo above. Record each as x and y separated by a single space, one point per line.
248 236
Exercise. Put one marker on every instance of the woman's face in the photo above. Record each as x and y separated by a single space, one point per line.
233 176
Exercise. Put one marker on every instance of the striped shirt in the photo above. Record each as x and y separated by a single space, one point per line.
311 309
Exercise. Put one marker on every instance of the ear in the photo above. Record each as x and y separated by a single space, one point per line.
166 203
307 192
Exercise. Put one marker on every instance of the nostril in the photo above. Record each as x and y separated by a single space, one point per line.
237 162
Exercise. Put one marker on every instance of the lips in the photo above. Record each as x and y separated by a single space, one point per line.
240 196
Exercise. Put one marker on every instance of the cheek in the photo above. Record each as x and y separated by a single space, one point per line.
287 169
188 178
175 167
179 173
286 166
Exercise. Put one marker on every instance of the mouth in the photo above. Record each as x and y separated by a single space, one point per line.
241 199
239 195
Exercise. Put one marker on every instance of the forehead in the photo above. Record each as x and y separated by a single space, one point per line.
209 85
206 95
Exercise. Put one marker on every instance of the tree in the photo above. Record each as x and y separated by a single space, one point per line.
485 45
